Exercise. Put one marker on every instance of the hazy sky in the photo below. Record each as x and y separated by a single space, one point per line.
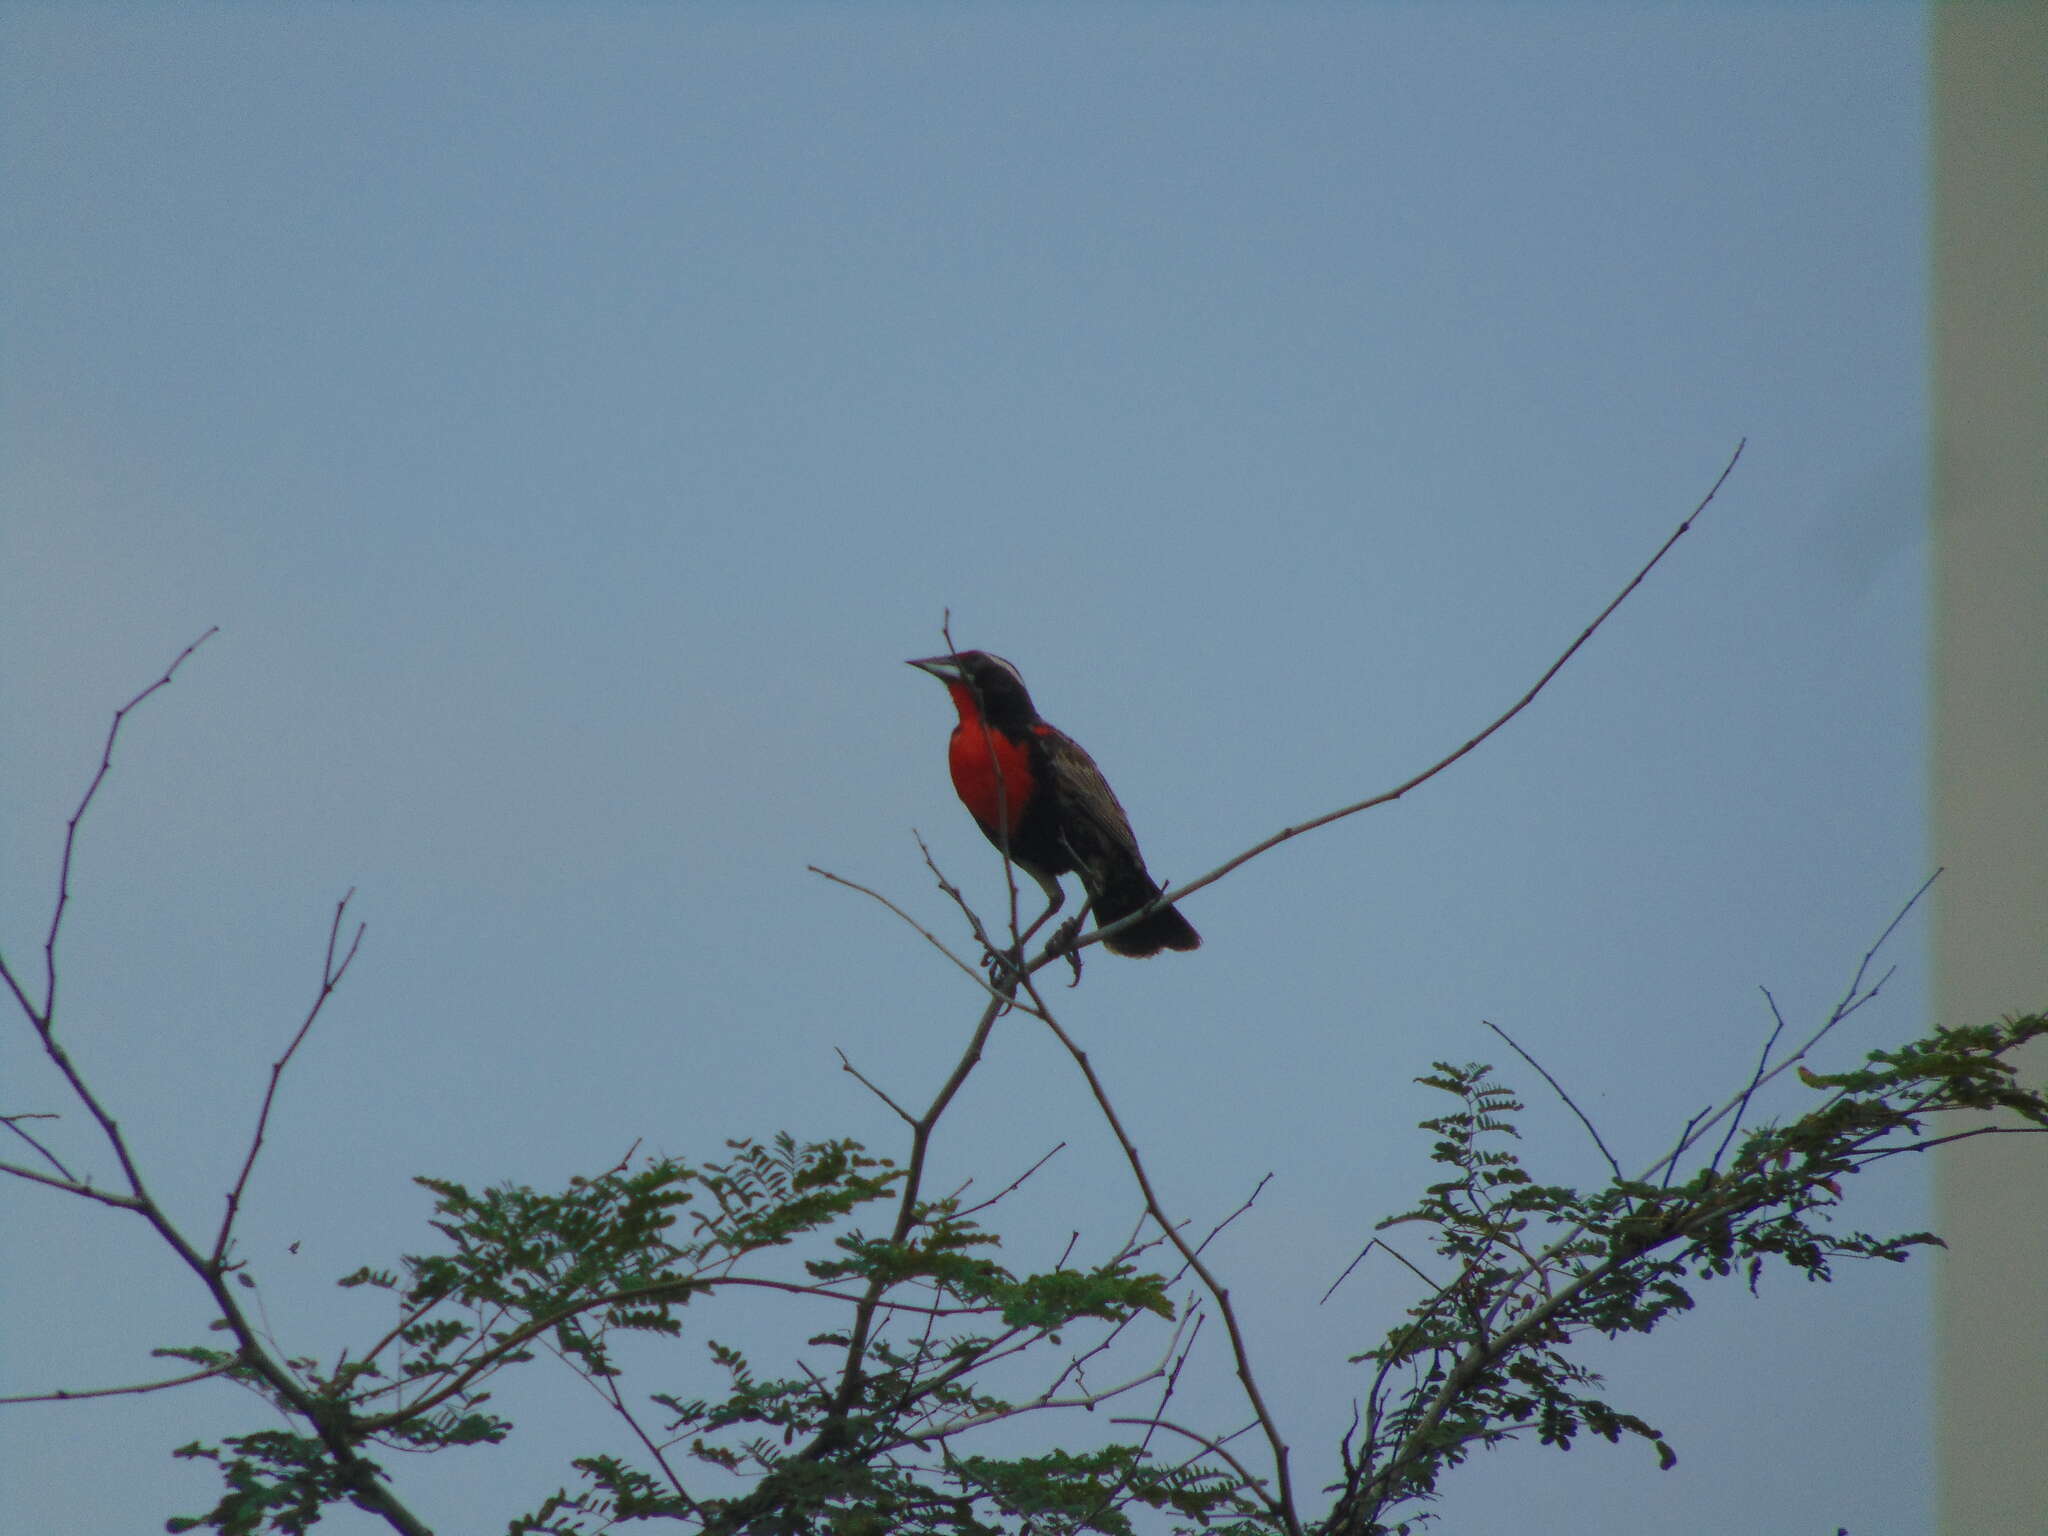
573 416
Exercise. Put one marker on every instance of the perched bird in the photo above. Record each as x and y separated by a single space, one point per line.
1033 789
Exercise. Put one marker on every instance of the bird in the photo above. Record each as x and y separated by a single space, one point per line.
1037 796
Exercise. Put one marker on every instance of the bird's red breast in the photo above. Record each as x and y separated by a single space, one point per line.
991 770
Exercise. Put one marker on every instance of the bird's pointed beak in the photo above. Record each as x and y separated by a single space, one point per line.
944 668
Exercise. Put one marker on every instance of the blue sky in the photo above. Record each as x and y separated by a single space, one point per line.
572 418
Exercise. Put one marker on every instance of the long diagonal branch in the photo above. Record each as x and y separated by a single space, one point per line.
1176 893
1279 1504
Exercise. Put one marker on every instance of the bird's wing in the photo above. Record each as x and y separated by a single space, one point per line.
1097 830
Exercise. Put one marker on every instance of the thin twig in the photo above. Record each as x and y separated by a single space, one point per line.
906 1221
66 1395
1249 1201
1849 1002
1280 1505
13 1123
1558 1088
947 888
1174 894
1210 1446
1387 1248
49 1008
77 1187
1941 1141
847 1066
1685 1139
1166 1391
1013 1186
854 885
607 1387
1853 999
330 978
1756 1078
1011 1411
1129 1252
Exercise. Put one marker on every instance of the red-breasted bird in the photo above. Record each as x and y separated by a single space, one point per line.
1032 787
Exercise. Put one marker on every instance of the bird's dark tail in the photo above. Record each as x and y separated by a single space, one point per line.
1164 929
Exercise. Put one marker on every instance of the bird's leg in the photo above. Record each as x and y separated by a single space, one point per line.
1063 937
1055 898
1013 957
1067 932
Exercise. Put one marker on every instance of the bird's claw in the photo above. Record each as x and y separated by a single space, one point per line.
996 961
1062 941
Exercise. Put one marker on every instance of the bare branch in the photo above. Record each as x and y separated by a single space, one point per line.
1384 1247
1034 1405
45 1016
929 937
73 1187
13 1123
1558 1089
1015 1184
906 1220
65 1395
1972 1134
845 1065
1853 999
1174 894
1685 1139
330 978
1850 1001
1166 1391
1249 1201
952 891
607 1387
1210 1447
1756 1078
1280 1505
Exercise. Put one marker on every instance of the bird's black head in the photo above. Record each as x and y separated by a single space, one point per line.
983 684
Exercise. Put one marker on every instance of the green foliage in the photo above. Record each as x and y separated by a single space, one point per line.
624 1253
276 1481
1078 1493
1113 1291
866 1449
600 1257
1483 1357
869 1436
865 1427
